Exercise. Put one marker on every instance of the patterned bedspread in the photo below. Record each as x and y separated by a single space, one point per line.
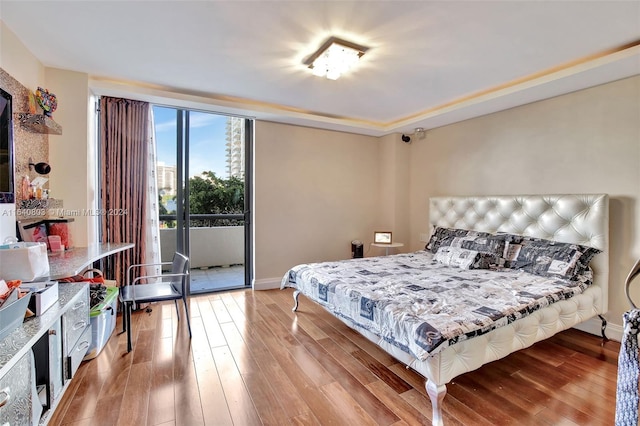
422 306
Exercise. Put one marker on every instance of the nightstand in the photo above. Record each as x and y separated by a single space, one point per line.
387 246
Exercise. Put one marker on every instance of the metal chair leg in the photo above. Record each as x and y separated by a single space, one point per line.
124 323
175 302
128 314
124 317
186 314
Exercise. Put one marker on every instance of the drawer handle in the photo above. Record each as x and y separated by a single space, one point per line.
78 305
79 325
84 346
7 396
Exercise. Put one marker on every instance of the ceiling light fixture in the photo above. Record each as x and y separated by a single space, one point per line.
334 57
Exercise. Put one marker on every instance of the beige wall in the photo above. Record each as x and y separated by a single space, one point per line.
70 156
584 142
393 185
18 61
315 192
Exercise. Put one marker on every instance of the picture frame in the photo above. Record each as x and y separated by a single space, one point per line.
382 237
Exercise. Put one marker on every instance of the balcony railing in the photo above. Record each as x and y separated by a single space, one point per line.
210 245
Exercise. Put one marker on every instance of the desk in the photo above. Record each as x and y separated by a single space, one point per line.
387 246
75 261
46 350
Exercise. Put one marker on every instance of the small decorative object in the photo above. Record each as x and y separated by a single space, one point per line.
47 101
382 237
32 103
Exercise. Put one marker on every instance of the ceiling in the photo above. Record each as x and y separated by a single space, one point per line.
430 63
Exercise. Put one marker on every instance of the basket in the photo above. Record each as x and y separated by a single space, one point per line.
12 315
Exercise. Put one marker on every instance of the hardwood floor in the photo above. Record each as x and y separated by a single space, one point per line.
252 361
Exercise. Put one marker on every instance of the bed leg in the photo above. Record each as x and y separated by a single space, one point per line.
603 327
436 395
296 293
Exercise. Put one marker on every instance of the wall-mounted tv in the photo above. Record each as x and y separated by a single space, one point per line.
6 149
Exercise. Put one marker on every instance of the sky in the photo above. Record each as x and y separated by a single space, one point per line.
207 141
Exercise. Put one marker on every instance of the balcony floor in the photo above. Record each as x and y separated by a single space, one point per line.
217 278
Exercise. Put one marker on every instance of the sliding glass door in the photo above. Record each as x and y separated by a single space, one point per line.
204 186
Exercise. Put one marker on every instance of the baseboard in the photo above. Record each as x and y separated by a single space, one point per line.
592 326
267 283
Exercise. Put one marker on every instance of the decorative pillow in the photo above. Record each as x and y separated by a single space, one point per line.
466 259
549 258
465 239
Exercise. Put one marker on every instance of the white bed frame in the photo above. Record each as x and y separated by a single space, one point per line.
581 219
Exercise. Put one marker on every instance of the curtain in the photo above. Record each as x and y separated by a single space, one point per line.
153 254
127 183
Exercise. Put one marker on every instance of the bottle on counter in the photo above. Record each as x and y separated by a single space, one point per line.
24 187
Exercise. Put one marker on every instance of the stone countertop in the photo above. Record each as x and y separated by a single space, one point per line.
73 262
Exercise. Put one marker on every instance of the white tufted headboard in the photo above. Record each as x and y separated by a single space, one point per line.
580 219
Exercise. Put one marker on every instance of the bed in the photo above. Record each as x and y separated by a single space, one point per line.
446 351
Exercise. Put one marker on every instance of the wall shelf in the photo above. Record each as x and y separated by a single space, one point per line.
39 123
49 203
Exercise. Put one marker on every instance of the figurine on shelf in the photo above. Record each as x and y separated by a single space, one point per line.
32 103
47 101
